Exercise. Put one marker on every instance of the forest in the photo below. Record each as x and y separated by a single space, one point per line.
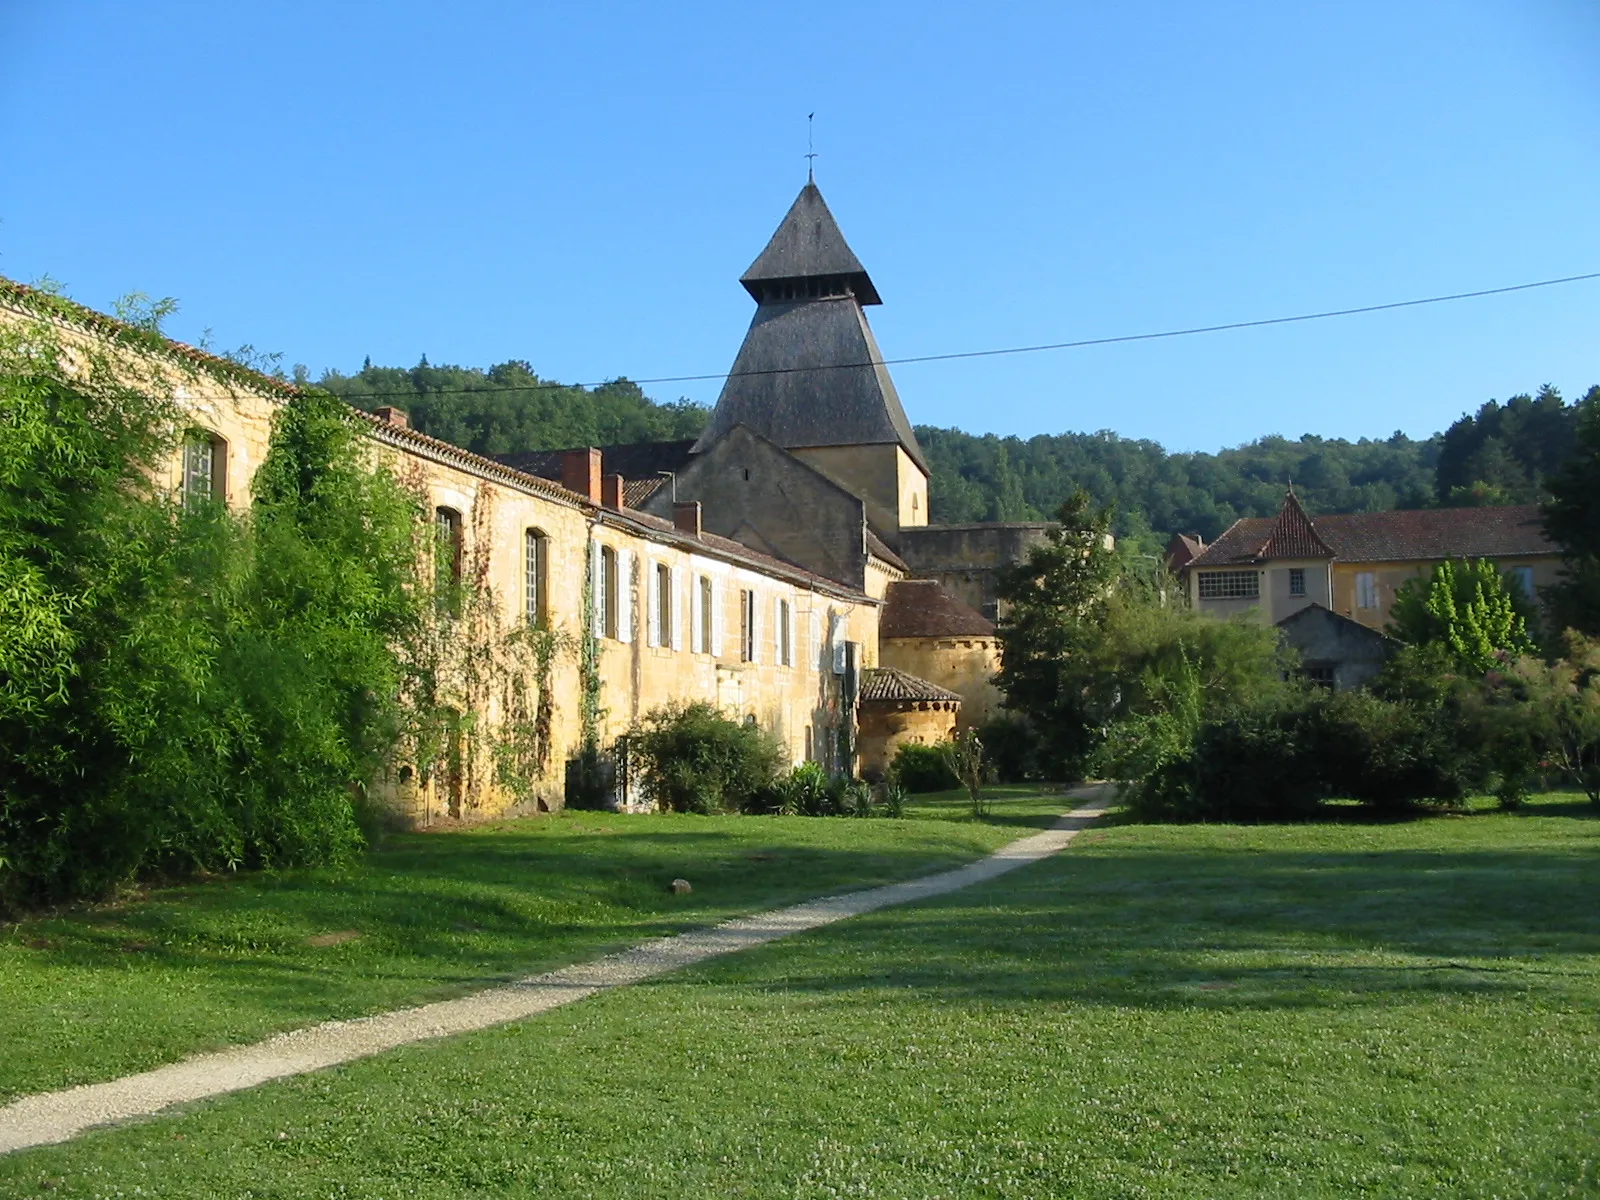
1499 454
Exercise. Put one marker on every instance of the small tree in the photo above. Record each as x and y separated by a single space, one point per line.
1056 606
1469 608
965 753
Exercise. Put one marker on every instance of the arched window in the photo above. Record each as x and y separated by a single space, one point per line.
205 467
535 577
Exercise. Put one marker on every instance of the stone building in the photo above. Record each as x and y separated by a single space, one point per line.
749 568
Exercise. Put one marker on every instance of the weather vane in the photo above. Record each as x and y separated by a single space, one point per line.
811 153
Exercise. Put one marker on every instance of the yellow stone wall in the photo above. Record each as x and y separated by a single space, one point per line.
893 486
1387 577
885 727
965 665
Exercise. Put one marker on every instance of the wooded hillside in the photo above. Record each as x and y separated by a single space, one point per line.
1499 455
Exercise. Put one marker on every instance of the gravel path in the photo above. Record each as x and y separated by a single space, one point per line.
49 1117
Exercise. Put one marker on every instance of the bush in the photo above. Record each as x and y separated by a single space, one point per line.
181 686
1278 761
693 759
921 768
1013 748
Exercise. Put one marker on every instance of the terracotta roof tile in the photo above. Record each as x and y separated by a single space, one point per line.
917 608
890 683
1402 535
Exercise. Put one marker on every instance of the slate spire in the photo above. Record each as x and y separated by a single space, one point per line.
809 373
807 254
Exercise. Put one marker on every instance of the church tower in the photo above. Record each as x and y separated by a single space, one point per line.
810 378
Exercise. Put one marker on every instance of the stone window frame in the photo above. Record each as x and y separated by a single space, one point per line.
536 577
205 467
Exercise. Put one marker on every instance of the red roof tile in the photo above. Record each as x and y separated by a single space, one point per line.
1400 535
921 608
890 683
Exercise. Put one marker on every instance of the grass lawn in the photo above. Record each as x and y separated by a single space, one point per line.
1325 1010
96 993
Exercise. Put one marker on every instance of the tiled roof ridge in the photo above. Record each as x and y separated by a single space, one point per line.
891 683
1294 534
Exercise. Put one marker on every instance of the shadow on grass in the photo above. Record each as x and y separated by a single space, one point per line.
1228 929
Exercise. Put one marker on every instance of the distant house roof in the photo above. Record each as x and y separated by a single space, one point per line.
1409 535
890 683
1182 549
1316 614
917 608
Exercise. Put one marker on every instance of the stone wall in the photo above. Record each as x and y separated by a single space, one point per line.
966 560
965 665
885 726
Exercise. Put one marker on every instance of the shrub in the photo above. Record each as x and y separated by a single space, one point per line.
922 768
1013 747
803 792
693 759
181 686
892 796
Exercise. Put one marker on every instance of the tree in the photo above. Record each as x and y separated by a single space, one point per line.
1471 609
1056 602
1572 519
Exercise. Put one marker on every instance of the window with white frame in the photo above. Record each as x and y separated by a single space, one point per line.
205 459
705 625
661 608
1229 585
1366 590
535 573
1297 581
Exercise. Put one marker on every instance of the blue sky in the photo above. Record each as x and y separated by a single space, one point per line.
581 185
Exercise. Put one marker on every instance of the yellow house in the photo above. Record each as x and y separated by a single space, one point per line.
1352 563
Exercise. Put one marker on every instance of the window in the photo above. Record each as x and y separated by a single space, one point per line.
706 599
1366 590
747 626
204 464
608 592
535 571
1297 581
785 634
1229 585
1524 580
1321 676
447 555
661 610
811 749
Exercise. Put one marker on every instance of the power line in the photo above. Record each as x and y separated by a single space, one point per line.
1074 345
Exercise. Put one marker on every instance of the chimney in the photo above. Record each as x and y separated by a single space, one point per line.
686 516
611 491
580 472
390 415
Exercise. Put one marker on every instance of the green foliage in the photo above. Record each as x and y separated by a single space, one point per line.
508 408
1056 604
989 478
1534 719
1469 608
693 759
181 687
1013 748
1501 454
1094 639
921 768
1572 519
142 312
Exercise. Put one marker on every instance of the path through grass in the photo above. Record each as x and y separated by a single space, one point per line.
97 993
